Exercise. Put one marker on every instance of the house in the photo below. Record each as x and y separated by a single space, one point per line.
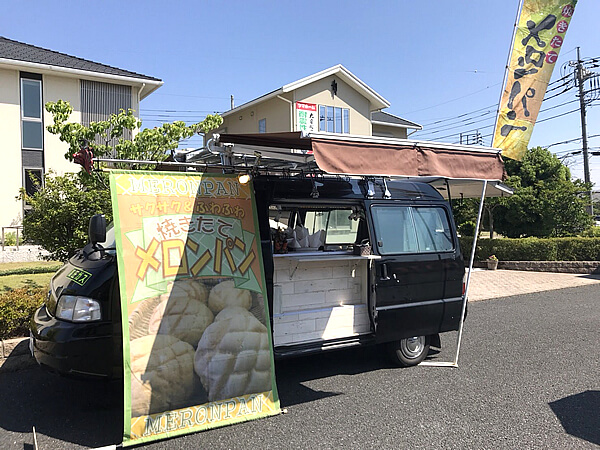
30 76
331 101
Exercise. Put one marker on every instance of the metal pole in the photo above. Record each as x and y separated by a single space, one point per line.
465 298
586 164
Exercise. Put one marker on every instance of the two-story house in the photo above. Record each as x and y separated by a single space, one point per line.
30 76
331 101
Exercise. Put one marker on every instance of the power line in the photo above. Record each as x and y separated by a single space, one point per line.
453 100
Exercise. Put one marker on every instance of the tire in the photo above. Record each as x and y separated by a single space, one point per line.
409 351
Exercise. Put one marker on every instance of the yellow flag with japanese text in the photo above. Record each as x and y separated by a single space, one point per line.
539 36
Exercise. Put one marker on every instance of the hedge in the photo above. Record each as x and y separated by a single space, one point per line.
534 249
31 270
16 307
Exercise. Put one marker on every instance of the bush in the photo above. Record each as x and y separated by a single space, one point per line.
10 238
467 228
16 308
61 209
534 249
591 232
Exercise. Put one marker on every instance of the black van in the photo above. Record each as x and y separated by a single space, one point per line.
347 262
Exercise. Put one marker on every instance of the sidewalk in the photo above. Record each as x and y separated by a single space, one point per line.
486 284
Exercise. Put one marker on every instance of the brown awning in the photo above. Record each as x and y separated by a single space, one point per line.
384 157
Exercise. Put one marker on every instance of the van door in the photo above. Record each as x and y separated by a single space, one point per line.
417 248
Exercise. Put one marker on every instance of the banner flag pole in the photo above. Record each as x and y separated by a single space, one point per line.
466 295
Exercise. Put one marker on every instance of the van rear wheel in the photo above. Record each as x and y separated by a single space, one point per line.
409 351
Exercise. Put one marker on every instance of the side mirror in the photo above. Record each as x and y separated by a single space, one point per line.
97 229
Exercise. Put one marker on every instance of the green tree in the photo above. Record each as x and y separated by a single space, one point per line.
150 144
60 209
546 202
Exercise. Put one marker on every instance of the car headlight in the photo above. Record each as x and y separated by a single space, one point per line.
78 309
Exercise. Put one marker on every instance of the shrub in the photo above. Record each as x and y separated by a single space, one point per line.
467 228
16 308
61 209
591 232
534 249
10 238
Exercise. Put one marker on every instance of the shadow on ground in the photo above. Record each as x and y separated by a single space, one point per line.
75 411
579 415
293 374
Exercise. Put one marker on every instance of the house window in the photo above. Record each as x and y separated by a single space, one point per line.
262 126
100 100
32 126
32 181
333 119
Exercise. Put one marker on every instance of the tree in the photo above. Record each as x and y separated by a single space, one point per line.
150 144
546 202
56 220
60 209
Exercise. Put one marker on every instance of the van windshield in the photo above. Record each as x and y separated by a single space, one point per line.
411 229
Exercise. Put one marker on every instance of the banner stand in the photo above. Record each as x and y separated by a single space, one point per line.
465 297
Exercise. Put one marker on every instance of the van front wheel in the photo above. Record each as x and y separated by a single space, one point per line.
409 351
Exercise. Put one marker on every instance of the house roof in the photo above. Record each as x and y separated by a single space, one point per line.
385 118
377 101
37 58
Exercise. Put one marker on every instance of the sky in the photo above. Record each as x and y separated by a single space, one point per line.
440 64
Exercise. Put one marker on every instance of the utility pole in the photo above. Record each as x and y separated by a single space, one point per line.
586 164
586 160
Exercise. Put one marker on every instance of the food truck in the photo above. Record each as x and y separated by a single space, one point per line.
266 246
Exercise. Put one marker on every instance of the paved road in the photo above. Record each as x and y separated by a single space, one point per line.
529 377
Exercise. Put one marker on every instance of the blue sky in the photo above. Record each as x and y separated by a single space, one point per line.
440 64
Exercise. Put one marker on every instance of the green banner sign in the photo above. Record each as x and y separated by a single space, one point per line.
197 349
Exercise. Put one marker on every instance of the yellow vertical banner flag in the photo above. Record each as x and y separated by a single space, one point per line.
539 35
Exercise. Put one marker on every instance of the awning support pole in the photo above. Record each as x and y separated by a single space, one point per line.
466 295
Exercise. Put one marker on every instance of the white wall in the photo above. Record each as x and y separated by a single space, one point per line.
59 88
10 145
11 170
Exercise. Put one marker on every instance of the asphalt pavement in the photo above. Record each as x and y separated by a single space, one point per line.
528 377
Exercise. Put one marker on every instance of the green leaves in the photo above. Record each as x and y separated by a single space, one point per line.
106 137
546 202
58 219
60 211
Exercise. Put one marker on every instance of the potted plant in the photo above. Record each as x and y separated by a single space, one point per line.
492 262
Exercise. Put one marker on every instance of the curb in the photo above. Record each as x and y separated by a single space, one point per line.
587 267
15 355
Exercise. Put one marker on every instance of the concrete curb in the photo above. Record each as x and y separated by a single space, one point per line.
588 267
15 355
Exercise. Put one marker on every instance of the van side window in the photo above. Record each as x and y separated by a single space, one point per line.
336 226
408 229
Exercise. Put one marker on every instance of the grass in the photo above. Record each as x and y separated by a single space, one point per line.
23 287
26 265
34 280
27 275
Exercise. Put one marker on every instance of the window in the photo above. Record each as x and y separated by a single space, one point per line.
100 100
333 119
32 127
338 227
262 126
407 229
33 180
